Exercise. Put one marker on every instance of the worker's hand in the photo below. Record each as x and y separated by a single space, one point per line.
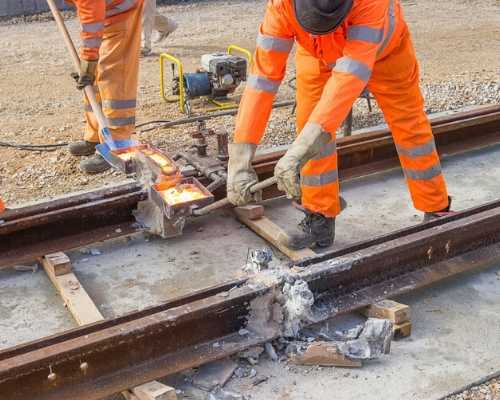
87 74
307 145
287 173
240 174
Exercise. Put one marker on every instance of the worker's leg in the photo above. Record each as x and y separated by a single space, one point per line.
395 85
311 76
320 186
91 126
148 22
117 76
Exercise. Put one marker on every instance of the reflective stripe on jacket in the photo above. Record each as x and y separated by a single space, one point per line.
94 16
369 33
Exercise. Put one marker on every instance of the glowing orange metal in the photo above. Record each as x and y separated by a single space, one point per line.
165 165
182 193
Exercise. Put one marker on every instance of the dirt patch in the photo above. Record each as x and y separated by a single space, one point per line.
458 50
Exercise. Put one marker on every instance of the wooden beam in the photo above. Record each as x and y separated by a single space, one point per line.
84 311
272 233
388 309
154 391
74 295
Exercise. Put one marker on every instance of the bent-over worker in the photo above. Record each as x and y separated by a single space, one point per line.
111 41
343 47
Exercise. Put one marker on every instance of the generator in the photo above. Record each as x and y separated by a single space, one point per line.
218 76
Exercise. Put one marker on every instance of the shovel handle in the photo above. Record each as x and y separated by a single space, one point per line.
225 202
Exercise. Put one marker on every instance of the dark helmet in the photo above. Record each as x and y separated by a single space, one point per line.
320 17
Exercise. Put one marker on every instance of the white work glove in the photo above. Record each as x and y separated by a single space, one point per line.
305 147
240 174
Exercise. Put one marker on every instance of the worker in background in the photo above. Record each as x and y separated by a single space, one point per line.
111 41
2 206
153 20
343 47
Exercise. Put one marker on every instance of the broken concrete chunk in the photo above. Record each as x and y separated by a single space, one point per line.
214 374
26 268
297 308
374 340
95 252
221 394
324 354
271 353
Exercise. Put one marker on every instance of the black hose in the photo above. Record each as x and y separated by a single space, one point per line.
169 123
33 147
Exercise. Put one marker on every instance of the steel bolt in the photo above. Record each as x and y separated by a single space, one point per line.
84 366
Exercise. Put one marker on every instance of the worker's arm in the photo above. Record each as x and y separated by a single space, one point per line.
92 15
274 43
370 29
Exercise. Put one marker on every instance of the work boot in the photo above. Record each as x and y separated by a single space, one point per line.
429 216
314 229
82 148
146 51
94 165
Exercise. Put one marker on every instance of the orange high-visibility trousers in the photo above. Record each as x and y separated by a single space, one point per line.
117 77
395 85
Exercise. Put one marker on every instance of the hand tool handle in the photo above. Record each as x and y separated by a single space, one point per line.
88 90
225 202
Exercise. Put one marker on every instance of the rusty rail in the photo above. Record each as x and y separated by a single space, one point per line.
104 358
75 221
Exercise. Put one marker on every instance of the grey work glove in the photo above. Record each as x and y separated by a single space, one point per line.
240 174
87 74
305 147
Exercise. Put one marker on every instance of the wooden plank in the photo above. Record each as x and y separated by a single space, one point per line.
402 330
59 262
74 295
254 211
85 311
388 309
154 391
324 354
271 232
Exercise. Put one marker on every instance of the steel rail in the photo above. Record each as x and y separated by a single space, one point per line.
97 360
60 225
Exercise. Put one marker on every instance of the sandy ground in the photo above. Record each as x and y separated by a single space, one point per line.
458 43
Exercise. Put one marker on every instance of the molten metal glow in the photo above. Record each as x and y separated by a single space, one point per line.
127 156
182 193
160 160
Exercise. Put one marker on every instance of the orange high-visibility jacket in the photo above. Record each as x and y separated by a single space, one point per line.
94 16
368 34
2 206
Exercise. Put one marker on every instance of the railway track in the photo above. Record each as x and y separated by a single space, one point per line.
71 222
109 356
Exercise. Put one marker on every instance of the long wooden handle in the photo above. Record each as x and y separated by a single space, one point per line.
88 90
225 202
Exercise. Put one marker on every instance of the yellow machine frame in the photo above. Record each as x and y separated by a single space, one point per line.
219 105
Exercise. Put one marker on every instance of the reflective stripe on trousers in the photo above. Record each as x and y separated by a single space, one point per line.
263 84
